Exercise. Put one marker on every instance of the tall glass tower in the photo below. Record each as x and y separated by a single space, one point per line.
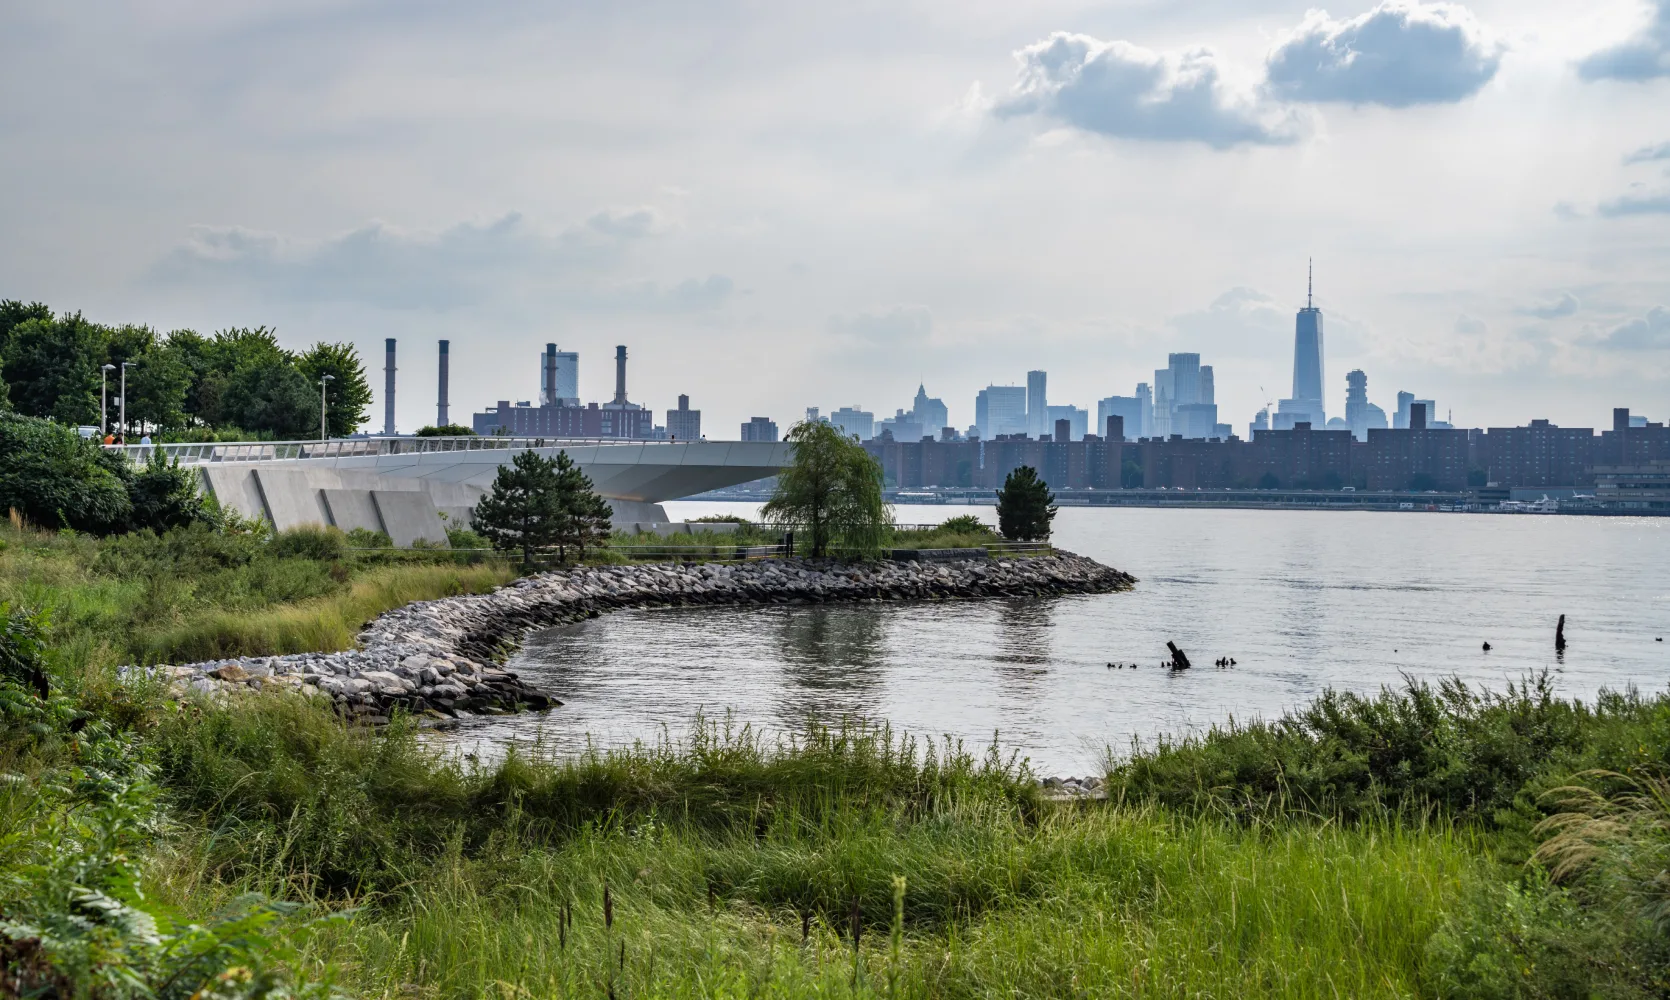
1307 356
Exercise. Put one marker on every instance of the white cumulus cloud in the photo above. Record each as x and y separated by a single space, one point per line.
1399 54
1125 91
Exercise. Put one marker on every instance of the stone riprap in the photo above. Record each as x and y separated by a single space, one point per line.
437 656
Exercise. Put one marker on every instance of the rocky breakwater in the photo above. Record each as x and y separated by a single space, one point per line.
435 656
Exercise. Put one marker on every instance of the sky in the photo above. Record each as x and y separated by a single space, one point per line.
777 206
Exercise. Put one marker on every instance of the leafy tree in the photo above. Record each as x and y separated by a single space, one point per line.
54 478
348 394
1130 475
1422 481
157 387
53 368
445 430
585 515
271 395
14 314
522 512
165 496
832 488
1025 506
1268 481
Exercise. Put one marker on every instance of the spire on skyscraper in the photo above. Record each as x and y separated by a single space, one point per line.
1310 271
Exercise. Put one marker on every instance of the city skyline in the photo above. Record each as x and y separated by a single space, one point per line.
850 200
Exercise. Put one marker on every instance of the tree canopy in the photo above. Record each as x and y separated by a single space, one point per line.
1025 506
831 490
239 379
537 504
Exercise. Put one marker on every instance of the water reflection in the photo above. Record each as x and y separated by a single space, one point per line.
833 662
1302 600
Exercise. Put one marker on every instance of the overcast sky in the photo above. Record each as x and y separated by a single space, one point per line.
783 205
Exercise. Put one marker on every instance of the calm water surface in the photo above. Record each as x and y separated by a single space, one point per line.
1302 600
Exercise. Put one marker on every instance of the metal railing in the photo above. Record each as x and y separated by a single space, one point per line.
268 451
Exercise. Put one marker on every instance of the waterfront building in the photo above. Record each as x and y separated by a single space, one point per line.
1540 454
1037 406
1000 409
759 429
1640 487
684 424
855 422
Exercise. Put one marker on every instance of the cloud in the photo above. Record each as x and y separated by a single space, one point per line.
463 265
1649 154
1649 333
1242 322
1565 306
1398 54
628 223
1470 326
1645 56
898 325
1120 90
1642 203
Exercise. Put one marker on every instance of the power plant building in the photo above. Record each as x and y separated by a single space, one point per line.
562 415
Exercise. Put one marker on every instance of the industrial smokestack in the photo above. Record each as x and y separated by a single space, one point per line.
620 373
440 400
388 387
550 375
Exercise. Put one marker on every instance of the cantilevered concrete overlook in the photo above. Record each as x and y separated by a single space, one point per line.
296 482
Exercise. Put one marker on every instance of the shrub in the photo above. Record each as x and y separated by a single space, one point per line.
54 478
308 541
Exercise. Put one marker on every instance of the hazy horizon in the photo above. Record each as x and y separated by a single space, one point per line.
777 207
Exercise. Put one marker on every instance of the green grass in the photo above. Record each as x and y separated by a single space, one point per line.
715 848
1420 842
198 594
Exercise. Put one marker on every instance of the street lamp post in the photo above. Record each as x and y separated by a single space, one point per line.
125 366
104 423
323 434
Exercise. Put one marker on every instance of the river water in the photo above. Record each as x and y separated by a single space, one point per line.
1303 600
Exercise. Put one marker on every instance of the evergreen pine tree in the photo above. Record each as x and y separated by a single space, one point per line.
523 511
1025 506
585 514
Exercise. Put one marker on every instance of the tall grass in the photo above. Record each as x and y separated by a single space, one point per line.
719 848
194 594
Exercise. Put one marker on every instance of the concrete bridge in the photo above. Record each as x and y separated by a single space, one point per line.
410 487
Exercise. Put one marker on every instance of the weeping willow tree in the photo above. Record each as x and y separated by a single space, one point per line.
831 491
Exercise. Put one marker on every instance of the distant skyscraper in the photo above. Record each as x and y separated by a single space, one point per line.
1404 400
559 377
1078 421
1145 400
930 413
1184 382
1361 416
759 429
1037 406
1000 409
1307 401
1307 351
1128 408
1260 422
854 421
684 424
